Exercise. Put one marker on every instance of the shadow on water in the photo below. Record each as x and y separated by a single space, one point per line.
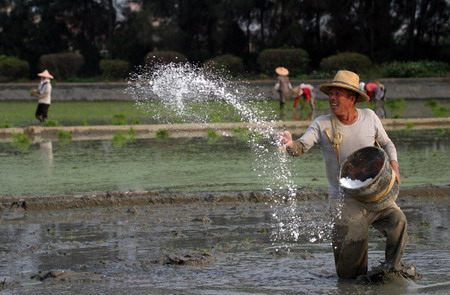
199 249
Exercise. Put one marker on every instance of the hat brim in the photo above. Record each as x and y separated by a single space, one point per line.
282 71
45 74
325 88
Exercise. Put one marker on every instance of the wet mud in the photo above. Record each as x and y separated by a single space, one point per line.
143 198
208 246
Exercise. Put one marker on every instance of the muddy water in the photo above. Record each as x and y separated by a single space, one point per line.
189 165
205 248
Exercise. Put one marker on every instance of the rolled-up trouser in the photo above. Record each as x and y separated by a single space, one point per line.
350 235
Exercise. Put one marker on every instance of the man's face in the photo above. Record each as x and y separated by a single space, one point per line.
341 100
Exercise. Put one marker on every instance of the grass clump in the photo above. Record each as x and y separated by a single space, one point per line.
119 119
240 133
212 135
409 125
64 137
162 134
50 123
21 141
396 106
122 138
438 110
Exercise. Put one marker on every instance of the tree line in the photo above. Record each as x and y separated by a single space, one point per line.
384 30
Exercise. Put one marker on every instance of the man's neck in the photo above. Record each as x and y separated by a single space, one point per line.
348 118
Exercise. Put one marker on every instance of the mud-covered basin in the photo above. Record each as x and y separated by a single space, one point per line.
370 165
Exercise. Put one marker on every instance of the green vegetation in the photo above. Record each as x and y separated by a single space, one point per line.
240 133
21 141
352 61
226 64
295 59
64 137
122 138
50 123
119 119
409 125
21 114
162 134
114 68
212 135
396 106
438 110
62 65
423 68
12 68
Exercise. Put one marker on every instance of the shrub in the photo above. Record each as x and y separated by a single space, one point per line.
227 63
62 65
407 69
164 57
114 68
296 60
351 61
12 68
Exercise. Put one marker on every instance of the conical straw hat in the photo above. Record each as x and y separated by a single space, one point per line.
282 71
45 74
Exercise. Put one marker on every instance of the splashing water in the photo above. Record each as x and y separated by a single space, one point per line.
185 92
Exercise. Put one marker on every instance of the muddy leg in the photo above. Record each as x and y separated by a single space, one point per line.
350 240
392 224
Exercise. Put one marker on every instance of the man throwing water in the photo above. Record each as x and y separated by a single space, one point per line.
339 134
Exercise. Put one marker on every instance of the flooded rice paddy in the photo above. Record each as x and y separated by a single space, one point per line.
189 165
201 247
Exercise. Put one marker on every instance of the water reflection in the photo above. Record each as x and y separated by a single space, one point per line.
46 148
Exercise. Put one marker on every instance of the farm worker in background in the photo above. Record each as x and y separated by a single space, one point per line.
283 86
305 92
377 93
44 93
339 134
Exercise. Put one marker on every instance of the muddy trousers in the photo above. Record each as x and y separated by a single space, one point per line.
350 236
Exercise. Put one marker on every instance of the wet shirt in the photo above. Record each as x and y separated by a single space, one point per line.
360 134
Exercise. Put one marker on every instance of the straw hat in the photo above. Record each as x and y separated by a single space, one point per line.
282 71
45 74
347 80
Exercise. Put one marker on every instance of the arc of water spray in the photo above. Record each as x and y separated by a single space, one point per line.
177 86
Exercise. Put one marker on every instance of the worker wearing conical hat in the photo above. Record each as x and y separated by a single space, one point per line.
283 86
44 94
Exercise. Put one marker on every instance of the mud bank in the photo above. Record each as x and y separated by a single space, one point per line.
38 133
146 198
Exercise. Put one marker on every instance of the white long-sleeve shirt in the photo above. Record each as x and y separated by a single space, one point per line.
45 92
360 134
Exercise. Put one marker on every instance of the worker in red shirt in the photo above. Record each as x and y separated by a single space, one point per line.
377 93
304 93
